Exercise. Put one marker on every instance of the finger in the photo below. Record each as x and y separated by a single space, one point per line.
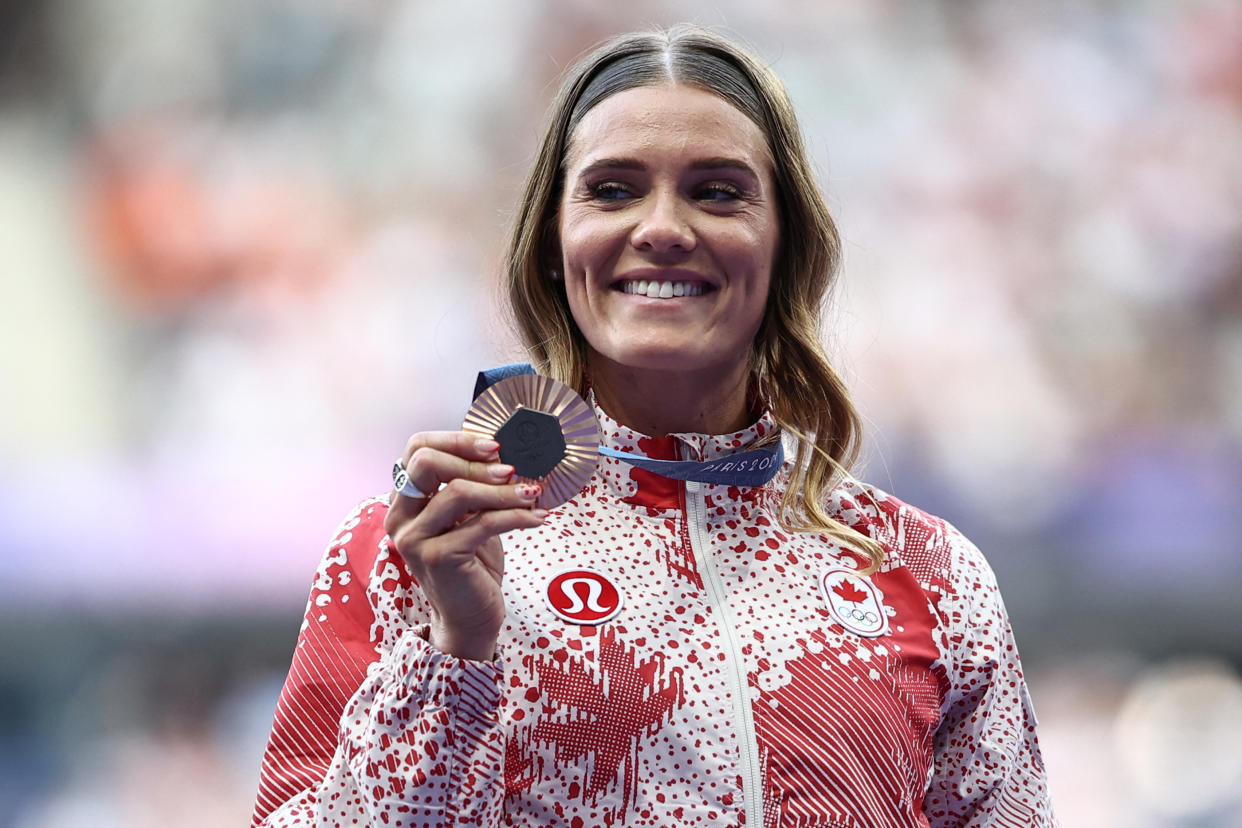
461 497
430 468
460 443
460 546
465 542
476 531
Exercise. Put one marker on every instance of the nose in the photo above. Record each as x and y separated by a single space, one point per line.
662 226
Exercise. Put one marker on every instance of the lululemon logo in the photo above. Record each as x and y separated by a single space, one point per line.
583 596
854 602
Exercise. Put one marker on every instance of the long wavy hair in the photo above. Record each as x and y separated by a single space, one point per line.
789 369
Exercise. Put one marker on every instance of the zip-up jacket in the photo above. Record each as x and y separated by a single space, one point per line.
670 656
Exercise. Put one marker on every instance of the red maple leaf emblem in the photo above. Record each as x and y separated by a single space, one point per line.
849 592
606 713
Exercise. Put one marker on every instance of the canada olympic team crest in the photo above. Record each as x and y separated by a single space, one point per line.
854 602
583 596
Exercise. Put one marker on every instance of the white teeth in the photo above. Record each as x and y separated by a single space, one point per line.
653 289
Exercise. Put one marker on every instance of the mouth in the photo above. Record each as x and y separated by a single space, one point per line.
657 289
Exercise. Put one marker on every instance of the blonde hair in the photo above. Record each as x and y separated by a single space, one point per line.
789 367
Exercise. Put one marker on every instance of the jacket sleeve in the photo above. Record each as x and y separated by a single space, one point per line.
988 770
374 726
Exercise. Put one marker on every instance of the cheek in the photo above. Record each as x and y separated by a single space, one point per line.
579 305
575 237
580 293
768 245
762 256
590 244
756 253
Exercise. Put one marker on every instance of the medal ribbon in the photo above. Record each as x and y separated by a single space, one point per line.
747 468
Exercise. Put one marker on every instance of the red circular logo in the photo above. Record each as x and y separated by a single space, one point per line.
583 596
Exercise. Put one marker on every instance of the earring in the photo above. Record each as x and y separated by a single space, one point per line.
555 273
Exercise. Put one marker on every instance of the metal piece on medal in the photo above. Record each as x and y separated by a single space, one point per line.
545 430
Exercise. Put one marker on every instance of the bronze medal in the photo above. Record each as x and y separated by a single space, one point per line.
545 430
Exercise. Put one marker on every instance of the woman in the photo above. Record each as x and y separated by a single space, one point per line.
808 651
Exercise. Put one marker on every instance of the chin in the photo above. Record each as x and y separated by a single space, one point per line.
681 358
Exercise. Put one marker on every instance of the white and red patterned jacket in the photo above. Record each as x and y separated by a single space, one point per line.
726 691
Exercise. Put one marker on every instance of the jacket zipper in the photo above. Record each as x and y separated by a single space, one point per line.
748 743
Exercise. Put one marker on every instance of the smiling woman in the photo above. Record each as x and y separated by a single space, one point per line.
791 647
668 232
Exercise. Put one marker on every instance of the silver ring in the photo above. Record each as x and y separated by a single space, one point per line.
402 483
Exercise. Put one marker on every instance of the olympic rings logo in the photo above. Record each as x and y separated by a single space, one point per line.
854 613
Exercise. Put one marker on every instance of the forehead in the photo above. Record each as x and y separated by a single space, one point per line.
668 119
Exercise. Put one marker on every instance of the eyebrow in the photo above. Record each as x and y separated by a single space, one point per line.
715 163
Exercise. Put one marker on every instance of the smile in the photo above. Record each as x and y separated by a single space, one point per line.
655 289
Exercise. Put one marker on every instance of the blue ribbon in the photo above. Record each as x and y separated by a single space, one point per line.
747 468
492 376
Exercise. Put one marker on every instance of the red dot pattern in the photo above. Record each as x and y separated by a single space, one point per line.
632 723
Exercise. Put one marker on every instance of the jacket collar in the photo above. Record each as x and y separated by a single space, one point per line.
645 488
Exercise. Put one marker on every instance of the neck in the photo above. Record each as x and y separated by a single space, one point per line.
666 402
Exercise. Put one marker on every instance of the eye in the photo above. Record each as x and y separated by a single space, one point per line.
718 191
609 191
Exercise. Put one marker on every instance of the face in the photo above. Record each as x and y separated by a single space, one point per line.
668 230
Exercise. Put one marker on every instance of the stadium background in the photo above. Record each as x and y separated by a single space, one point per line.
248 246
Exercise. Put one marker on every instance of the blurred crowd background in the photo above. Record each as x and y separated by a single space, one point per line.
248 246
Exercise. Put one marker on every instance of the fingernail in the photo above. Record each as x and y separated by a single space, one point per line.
486 446
529 491
539 513
500 472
